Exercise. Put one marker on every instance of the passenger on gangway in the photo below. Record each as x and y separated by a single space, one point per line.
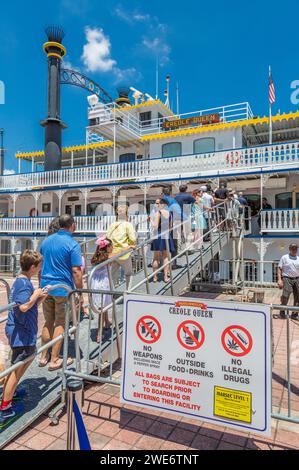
100 281
21 331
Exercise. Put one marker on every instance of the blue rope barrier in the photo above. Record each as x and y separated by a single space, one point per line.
81 430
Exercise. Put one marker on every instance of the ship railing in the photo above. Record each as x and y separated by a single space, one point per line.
280 220
71 314
229 113
220 163
111 113
84 224
238 275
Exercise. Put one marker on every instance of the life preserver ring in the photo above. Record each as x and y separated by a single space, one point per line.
33 211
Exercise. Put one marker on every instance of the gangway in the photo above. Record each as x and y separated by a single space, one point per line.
44 388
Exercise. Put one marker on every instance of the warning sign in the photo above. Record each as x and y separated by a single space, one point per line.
233 404
148 329
190 335
236 340
208 360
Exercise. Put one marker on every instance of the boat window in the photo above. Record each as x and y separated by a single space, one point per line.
205 145
146 119
283 201
127 157
172 149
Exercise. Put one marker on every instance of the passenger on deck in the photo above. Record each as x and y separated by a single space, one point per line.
288 278
123 236
198 220
21 331
185 201
176 212
162 227
54 227
207 200
62 265
100 281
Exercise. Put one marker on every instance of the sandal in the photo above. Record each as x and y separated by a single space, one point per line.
43 362
60 364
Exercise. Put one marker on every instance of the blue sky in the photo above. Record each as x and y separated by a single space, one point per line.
218 51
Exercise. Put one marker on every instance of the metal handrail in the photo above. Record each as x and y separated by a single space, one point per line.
170 259
42 348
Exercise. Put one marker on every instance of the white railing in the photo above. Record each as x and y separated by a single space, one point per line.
85 224
280 220
112 114
216 164
109 114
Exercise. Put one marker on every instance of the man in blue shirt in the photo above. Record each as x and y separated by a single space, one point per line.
185 201
62 265
177 216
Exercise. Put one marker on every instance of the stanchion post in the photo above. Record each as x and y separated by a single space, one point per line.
74 392
169 264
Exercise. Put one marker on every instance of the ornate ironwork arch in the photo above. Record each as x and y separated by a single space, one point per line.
72 77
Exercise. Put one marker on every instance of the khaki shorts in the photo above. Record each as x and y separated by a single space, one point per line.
54 310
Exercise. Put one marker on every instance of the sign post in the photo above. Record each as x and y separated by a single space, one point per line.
209 361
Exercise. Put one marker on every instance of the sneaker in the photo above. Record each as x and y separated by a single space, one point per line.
9 415
282 314
294 315
19 394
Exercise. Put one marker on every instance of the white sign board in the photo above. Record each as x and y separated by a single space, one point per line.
203 359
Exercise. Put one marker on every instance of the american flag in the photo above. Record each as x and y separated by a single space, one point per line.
271 89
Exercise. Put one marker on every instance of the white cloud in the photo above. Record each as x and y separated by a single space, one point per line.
77 7
122 14
130 17
68 65
154 39
128 76
139 17
9 172
97 52
158 48
97 58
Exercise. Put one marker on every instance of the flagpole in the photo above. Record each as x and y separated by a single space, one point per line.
270 114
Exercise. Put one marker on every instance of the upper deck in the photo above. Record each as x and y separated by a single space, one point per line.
113 123
145 143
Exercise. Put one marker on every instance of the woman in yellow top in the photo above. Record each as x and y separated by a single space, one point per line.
123 237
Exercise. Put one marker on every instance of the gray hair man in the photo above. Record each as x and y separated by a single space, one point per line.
288 277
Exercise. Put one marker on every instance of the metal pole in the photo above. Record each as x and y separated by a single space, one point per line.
145 269
114 315
261 241
288 363
188 269
169 264
114 136
74 392
1 151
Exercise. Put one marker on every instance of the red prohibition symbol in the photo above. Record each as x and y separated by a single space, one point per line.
190 335
148 329
236 340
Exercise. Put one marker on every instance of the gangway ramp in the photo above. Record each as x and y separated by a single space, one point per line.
43 388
